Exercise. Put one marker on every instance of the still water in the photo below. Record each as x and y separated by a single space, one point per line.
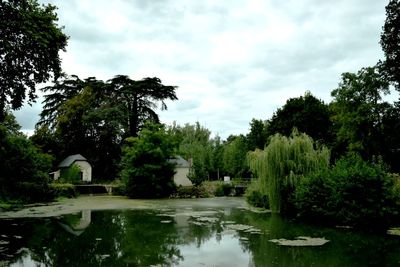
185 235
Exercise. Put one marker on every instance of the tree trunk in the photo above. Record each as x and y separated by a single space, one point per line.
133 118
2 110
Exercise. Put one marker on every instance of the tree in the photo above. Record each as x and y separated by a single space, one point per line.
357 112
353 192
24 169
138 100
258 135
62 91
306 113
29 46
146 170
195 145
281 165
391 142
85 118
234 157
131 102
390 42
93 117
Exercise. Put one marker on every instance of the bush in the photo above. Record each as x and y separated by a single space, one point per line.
224 189
190 192
255 197
119 189
24 169
353 192
71 174
63 190
30 192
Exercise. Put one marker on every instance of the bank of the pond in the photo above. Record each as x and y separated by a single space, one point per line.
67 206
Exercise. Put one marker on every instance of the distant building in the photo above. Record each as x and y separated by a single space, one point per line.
78 160
182 168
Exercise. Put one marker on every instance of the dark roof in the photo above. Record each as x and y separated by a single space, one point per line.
71 159
180 162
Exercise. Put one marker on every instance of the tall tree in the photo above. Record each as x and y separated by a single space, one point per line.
139 99
92 117
146 171
57 94
29 50
281 165
306 113
357 112
234 157
258 135
390 42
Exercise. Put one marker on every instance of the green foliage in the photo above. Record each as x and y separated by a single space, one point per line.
93 117
24 169
146 171
282 164
71 174
223 189
306 113
138 99
234 157
390 42
194 144
258 135
353 192
190 192
255 197
358 110
63 190
29 46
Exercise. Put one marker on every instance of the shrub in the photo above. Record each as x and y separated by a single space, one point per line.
223 189
255 197
63 190
24 169
71 174
353 192
119 189
190 192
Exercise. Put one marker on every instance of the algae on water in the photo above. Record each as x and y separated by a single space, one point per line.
301 241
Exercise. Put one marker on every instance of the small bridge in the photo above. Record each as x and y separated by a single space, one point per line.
90 189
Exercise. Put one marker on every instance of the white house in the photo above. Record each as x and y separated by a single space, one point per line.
182 168
78 160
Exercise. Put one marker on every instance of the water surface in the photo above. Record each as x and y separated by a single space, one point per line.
217 232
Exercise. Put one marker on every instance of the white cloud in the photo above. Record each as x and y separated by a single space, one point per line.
232 60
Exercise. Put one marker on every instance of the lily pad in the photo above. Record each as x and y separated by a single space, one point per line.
394 231
206 219
301 241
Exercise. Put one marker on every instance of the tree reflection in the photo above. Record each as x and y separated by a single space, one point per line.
145 238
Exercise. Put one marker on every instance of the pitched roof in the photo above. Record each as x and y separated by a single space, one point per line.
71 159
180 162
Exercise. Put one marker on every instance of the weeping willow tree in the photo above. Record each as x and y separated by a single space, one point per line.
283 162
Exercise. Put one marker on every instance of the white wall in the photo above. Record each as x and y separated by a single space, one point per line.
86 170
180 177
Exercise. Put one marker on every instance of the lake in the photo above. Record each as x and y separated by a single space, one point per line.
201 232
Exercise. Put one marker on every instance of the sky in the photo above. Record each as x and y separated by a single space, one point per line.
231 60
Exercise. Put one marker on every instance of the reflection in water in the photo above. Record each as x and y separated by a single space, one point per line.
183 237
76 225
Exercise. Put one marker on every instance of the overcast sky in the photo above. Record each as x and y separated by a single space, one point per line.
232 60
